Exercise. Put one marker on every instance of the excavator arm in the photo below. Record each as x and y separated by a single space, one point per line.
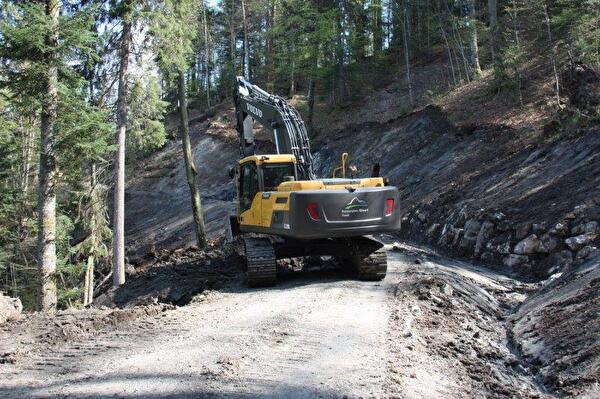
277 116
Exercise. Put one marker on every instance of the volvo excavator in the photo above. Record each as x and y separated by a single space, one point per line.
284 210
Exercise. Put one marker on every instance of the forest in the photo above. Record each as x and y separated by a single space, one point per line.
85 87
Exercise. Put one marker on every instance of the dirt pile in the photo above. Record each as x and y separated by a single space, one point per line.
36 332
10 308
175 277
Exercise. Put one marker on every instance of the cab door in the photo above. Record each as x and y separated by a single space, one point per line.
248 188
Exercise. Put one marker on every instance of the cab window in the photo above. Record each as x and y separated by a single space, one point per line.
248 185
274 174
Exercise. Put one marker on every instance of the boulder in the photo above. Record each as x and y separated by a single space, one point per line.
469 239
10 308
457 234
522 230
559 229
591 227
547 244
528 245
445 235
578 229
558 261
580 241
539 228
486 230
587 252
513 260
431 231
422 216
498 217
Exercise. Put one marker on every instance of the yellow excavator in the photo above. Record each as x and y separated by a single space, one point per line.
285 211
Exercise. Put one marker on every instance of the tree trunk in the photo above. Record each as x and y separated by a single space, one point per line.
554 54
449 49
47 174
311 104
493 16
206 55
190 168
474 44
406 54
119 199
246 50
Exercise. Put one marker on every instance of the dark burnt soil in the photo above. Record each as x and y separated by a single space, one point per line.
175 277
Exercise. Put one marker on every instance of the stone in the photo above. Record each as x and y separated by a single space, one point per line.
504 248
445 235
577 230
522 230
447 290
431 231
539 228
527 246
488 257
457 234
422 216
513 260
587 252
469 239
559 261
580 241
498 217
486 230
10 308
547 244
591 227
559 229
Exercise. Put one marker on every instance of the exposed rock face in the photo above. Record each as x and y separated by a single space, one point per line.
10 308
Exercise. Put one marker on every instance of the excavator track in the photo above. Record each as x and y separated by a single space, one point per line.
261 263
369 263
373 267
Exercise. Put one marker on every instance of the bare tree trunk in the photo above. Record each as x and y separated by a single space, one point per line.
311 104
119 199
206 55
190 168
293 72
474 44
458 41
443 32
47 175
406 54
493 16
246 50
554 54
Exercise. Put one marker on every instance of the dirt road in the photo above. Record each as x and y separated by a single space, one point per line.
316 334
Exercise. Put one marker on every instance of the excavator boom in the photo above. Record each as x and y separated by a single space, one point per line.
280 118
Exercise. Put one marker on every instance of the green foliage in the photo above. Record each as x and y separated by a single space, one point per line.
172 28
146 130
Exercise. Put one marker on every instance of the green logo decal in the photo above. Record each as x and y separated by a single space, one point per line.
354 206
